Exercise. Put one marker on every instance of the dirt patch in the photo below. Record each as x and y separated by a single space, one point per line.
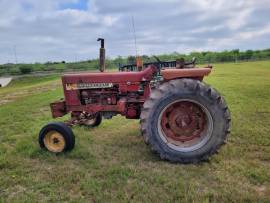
11 97
261 190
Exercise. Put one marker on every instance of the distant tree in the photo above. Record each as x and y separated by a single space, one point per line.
249 54
131 59
236 54
145 58
25 68
119 60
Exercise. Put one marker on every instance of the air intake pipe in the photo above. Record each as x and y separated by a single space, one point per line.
101 55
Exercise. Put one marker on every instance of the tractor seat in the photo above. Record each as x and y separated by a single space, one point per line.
110 77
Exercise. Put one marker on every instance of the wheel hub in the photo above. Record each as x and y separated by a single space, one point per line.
54 141
184 123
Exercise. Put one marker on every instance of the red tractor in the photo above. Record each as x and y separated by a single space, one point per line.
182 118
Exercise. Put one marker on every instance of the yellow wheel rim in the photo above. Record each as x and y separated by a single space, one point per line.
54 141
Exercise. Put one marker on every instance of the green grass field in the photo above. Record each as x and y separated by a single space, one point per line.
111 163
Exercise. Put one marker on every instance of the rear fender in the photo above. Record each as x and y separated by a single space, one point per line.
196 73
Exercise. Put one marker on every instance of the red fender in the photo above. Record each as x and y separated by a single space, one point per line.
198 73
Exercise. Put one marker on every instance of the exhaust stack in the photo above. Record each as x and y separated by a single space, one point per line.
101 55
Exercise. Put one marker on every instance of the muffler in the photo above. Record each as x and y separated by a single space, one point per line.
101 55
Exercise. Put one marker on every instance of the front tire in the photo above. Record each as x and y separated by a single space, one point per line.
185 121
56 137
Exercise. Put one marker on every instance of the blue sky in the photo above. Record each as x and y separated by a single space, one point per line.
56 30
77 5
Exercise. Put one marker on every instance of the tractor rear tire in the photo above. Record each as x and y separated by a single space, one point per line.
56 137
185 121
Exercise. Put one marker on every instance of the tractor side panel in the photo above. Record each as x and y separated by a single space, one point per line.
121 97
126 81
71 95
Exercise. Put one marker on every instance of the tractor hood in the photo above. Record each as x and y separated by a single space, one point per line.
110 77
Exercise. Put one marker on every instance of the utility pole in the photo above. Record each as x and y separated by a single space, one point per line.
134 35
15 54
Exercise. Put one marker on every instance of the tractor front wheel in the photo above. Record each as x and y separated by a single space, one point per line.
185 121
56 137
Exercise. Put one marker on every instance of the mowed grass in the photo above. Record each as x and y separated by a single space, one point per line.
111 163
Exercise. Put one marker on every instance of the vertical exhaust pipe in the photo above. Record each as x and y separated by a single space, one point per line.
101 55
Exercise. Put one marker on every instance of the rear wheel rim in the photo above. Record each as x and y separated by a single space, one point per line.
54 141
185 125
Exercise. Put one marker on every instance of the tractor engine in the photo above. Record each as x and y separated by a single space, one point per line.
113 97
99 96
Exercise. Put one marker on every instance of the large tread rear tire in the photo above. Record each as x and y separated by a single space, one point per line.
185 89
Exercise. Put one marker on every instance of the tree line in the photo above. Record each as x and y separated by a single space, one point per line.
203 57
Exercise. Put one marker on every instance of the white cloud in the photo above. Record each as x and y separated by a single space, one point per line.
42 31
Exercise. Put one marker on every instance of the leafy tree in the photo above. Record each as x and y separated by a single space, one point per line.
249 54
131 59
25 69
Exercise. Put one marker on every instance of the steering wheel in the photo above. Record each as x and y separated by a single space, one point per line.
194 59
158 60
